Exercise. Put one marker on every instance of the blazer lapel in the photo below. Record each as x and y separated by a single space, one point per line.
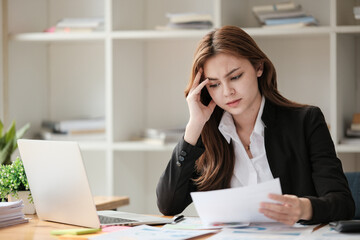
271 133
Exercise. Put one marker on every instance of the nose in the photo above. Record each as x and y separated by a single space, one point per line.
228 90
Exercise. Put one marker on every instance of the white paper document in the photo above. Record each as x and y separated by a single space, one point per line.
195 223
235 204
274 230
145 232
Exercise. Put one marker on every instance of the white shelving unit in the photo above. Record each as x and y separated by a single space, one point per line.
134 75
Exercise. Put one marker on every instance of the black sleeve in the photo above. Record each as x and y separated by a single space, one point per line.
175 184
335 201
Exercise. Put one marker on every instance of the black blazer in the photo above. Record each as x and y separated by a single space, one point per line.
300 152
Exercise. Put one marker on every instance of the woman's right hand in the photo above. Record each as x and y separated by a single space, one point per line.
199 113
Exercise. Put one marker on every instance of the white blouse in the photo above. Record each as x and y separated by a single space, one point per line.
247 171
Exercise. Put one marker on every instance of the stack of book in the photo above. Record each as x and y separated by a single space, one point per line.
354 130
76 129
189 21
283 15
11 213
78 25
162 136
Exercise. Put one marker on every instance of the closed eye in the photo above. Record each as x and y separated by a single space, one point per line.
236 77
214 85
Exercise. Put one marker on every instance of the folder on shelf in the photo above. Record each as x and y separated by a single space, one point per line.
75 125
89 129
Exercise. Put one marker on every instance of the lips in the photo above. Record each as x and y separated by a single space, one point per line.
233 103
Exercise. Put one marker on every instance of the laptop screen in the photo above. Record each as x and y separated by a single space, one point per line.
58 182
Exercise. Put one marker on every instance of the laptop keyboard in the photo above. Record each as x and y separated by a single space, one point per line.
107 220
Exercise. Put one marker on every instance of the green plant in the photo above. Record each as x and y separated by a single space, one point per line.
8 141
13 179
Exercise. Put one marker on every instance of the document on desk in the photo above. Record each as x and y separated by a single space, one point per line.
273 230
234 205
328 233
145 232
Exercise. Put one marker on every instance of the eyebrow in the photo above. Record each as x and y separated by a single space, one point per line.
228 74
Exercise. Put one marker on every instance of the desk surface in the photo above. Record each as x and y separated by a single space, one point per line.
109 203
40 230
37 229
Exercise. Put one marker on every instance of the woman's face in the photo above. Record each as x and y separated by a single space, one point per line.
233 83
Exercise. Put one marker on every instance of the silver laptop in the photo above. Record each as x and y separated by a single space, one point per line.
60 188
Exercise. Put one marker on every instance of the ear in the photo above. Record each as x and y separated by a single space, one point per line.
260 69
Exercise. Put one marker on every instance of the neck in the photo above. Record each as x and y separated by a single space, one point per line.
246 121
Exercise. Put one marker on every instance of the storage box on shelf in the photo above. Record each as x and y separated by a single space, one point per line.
134 75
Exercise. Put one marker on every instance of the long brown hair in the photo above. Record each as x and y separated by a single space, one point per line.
216 165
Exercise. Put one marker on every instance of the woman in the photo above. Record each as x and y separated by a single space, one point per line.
242 131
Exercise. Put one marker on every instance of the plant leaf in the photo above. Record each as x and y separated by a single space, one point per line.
2 138
11 133
2 141
5 153
20 133
1 128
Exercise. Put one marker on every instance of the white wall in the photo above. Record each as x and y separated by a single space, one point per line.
1 67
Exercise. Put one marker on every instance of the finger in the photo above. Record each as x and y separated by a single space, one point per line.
279 217
197 79
275 207
198 89
284 199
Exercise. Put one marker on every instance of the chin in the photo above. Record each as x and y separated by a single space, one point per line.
234 111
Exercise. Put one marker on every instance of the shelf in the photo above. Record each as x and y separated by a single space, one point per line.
158 34
348 148
171 34
50 37
262 32
348 29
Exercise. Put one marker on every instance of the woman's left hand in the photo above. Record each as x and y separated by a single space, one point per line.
289 208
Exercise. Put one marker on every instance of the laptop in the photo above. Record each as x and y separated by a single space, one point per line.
60 188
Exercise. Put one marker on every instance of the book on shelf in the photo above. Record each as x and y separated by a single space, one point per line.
161 136
283 15
68 30
352 133
85 129
188 21
48 135
280 21
278 7
81 22
192 25
78 25
11 213
286 26
188 17
75 125
354 130
355 141
355 126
